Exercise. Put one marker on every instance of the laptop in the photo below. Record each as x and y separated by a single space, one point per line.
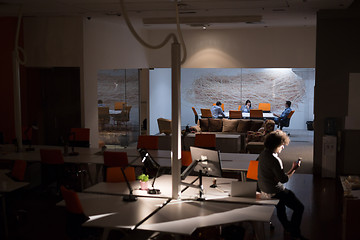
243 189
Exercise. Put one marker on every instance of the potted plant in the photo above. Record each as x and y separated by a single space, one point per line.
144 178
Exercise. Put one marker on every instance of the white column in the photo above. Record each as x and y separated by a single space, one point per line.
17 101
176 119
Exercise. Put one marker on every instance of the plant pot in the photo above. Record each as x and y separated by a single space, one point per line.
143 185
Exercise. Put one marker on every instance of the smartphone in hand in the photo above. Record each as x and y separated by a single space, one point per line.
299 161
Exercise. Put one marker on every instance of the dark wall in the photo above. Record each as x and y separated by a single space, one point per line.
337 55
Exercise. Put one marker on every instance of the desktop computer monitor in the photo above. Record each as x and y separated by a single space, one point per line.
208 161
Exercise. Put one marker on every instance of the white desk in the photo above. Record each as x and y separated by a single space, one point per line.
220 194
178 217
184 217
266 115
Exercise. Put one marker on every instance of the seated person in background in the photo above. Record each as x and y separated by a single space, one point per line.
281 120
217 111
100 103
246 108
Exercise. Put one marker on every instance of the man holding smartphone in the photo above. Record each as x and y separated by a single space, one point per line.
271 179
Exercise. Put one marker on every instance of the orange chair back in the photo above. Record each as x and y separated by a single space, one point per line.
256 113
115 159
80 134
206 113
222 106
205 140
290 114
119 105
265 107
72 201
252 172
19 169
186 158
148 142
235 114
194 110
239 108
51 156
114 174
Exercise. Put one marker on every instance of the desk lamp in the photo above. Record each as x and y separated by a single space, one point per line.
150 164
130 197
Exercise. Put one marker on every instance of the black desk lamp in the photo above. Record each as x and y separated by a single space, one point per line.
130 197
150 164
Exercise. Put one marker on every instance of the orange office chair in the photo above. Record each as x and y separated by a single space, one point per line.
256 113
266 107
196 115
206 113
148 142
222 106
114 159
239 108
18 170
252 172
119 105
52 168
235 114
114 174
75 216
205 140
80 137
286 122
186 158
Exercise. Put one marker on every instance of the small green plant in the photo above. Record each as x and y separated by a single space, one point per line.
143 177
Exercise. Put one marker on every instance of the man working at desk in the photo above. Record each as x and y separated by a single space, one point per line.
217 111
281 120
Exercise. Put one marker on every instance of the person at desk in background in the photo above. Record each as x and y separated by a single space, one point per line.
217 111
100 103
246 108
271 179
284 115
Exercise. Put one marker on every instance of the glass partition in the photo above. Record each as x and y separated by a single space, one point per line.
118 106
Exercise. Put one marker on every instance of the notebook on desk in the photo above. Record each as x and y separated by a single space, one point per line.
243 189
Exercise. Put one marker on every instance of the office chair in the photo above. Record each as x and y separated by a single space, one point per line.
148 142
205 141
196 115
52 169
235 114
256 113
286 122
18 170
114 159
266 107
206 113
75 215
79 137
252 172
119 105
114 174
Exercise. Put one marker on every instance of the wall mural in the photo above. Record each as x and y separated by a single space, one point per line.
258 85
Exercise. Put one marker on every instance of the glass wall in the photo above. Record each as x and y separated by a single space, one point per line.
118 105
202 87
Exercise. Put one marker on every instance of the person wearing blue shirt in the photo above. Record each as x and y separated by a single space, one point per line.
283 118
246 108
217 111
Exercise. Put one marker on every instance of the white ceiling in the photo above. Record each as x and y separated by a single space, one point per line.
213 13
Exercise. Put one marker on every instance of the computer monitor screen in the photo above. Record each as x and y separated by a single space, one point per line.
209 162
